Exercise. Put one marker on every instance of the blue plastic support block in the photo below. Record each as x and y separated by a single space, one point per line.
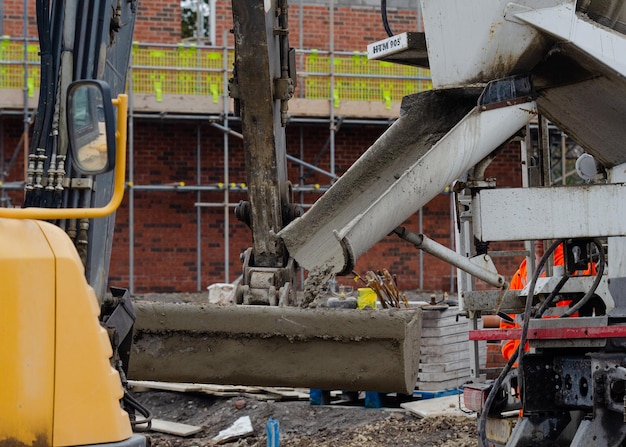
373 400
319 397
273 433
434 394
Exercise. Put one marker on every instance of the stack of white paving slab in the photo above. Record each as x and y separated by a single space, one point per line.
445 350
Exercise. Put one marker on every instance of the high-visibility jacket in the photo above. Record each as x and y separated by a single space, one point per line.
518 282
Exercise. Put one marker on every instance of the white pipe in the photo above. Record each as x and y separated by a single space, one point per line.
450 256
212 22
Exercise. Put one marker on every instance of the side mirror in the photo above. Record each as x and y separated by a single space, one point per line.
91 126
96 147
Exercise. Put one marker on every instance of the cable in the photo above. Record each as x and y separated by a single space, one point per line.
601 263
131 402
383 12
482 421
550 297
528 308
44 50
460 391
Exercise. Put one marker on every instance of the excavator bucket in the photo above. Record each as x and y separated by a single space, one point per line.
332 349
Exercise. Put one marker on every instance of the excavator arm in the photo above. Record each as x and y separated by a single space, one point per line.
263 82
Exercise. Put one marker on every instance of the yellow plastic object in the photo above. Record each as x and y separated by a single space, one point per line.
366 298
118 189
87 388
57 385
26 334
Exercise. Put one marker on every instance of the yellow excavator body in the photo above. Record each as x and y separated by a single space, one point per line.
58 387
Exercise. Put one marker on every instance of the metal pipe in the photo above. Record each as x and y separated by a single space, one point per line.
214 118
25 89
289 157
3 194
198 211
452 241
12 186
526 159
544 151
310 166
227 130
213 205
366 122
331 102
226 165
420 227
131 181
199 22
420 22
444 253
301 171
546 167
18 185
563 158
212 21
175 116
8 112
231 205
178 187
175 46
300 44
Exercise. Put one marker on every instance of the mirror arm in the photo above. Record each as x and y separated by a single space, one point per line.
118 191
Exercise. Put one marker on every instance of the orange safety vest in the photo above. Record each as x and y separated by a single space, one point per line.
518 282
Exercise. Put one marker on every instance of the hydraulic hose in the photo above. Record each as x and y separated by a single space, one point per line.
383 12
132 403
601 263
528 308
482 421
550 297
43 29
49 21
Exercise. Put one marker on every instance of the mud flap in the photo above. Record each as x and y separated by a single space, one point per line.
335 349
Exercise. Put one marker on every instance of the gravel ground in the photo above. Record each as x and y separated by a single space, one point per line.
302 424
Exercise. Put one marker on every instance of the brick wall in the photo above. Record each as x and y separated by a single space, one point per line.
494 359
355 26
13 19
159 21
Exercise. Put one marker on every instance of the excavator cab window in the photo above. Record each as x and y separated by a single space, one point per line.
91 126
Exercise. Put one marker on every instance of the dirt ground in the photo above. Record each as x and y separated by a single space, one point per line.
302 424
